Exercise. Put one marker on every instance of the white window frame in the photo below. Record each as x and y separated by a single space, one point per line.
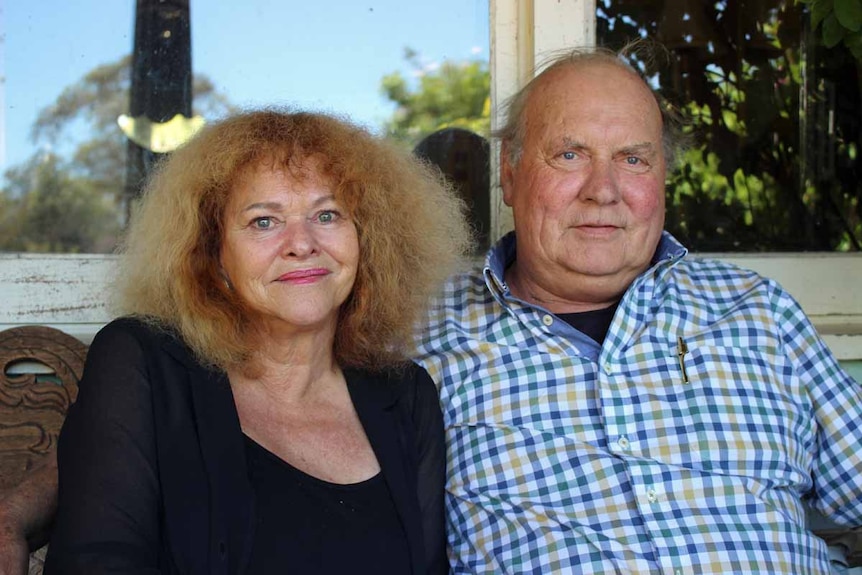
69 291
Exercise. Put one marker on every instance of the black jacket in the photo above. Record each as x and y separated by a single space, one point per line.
152 462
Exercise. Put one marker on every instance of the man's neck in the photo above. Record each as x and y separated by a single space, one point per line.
574 301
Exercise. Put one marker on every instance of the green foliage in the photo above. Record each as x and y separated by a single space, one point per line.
454 95
47 210
775 166
840 21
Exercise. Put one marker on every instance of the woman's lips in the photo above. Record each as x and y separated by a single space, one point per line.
303 276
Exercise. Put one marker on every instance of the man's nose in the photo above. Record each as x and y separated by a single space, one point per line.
601 184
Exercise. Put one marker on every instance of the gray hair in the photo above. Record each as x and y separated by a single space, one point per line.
512 133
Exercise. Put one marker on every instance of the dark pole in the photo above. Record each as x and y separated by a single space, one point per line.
161 78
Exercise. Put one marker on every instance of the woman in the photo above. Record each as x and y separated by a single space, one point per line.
255 411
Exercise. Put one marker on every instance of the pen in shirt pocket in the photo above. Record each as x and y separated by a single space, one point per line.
681 352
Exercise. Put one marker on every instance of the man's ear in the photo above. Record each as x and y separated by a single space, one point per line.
507 175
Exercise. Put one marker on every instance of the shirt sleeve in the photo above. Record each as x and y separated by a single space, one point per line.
837 405
107 518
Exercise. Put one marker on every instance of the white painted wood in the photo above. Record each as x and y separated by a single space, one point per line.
71 292
563 24
68 292
510 63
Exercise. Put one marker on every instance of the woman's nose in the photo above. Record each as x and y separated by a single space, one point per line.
298 239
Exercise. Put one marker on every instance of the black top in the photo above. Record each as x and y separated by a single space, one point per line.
594 323
153 471
342 527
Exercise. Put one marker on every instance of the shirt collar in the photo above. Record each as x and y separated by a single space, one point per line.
499 257
503 253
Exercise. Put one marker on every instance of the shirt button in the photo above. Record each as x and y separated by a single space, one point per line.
609 369
651 495
677 571
547 320
623 442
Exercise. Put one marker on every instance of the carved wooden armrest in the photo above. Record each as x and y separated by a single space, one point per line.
40 368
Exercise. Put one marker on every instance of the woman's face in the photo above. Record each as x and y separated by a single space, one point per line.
289 250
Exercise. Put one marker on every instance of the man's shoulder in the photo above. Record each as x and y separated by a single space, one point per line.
709 271
462 290
712 282
463 306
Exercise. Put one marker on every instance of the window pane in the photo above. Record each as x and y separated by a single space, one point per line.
776 115
67 68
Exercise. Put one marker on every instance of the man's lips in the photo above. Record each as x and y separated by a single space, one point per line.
597 228
303 276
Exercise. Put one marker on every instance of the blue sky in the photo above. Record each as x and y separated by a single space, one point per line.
326 55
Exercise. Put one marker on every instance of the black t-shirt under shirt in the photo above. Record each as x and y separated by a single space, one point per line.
593 323
308 525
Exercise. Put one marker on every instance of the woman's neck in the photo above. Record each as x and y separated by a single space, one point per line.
290 365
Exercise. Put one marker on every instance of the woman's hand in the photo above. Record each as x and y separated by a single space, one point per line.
26 514
14 553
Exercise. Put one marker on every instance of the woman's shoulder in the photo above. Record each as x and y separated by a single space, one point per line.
130 334
134 326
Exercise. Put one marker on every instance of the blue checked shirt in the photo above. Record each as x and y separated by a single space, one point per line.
686 443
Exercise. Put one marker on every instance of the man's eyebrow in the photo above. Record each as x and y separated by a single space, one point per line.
572 143
639 148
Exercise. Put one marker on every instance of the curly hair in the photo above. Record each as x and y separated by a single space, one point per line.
411 227
512 133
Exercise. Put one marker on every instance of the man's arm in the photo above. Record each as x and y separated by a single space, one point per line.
26 514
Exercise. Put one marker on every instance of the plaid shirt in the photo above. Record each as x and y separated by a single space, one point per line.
686 443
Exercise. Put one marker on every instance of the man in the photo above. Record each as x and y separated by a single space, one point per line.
611 405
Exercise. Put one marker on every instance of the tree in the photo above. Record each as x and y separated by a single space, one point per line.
457 94
51 193
51 211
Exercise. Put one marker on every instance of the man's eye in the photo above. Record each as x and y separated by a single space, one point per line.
569 155
633 160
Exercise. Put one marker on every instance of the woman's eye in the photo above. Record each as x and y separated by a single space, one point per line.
327 216
262 223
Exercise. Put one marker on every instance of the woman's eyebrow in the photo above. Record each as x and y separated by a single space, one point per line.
278 205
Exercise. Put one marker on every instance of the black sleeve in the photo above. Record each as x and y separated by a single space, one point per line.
431 449
108 514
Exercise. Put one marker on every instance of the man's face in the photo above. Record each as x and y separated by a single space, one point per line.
587 193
